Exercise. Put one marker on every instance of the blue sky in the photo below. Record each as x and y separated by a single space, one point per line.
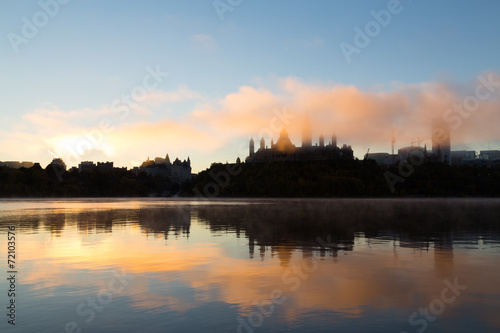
263 55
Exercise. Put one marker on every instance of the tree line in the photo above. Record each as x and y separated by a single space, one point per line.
330 178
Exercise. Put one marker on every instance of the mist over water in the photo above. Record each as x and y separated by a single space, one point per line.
239 265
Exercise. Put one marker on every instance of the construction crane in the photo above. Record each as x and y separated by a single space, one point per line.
366 156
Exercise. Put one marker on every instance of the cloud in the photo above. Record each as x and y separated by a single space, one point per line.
128 143
204 42
219 129
360 118
240 113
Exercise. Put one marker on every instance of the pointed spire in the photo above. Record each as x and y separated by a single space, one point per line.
167 159
334 141
251 148
306 132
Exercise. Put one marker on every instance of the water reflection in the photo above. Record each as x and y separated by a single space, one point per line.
363 265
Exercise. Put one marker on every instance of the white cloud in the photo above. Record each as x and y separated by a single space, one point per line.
360 118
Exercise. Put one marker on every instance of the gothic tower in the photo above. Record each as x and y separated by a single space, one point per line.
252 148
306 132
441 143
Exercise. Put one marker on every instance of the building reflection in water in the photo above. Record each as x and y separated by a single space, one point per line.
382 257
280 227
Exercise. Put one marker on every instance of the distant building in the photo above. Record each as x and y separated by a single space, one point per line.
285 150
105 166
489 154
86 166
461 157
58 163
17 165
306 133
415 152
179 172
383 158
441 142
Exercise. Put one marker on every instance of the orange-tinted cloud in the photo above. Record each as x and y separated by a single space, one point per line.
361 118
357 117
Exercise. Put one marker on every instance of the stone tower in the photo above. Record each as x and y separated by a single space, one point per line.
306 132
252 148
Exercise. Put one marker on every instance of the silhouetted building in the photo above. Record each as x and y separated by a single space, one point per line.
86 166
306 133
179 172
252 148
105 166
285 150
59 163
383 158
441 142
489 154
461 157
17 165
414 152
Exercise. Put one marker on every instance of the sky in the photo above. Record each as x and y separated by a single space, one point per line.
126 80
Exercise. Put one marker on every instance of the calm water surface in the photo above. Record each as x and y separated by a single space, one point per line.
253 265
